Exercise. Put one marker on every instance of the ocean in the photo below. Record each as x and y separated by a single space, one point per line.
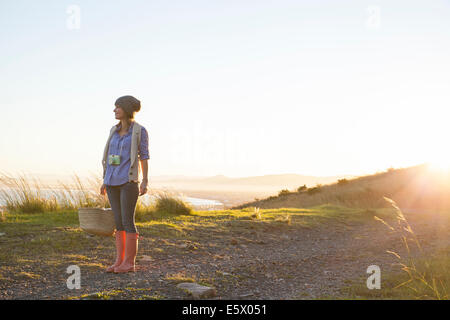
196 203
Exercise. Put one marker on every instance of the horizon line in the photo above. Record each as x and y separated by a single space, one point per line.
90 174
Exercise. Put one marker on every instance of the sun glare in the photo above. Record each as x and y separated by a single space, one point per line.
442 165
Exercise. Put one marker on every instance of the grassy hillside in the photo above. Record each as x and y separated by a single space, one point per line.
257 249
228 249
416 187
55 235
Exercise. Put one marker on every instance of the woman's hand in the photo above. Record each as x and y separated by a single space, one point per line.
143 188
103 190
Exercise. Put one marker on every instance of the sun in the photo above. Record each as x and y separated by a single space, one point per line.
441 164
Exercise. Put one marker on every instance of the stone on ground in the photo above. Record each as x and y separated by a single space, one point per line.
197 291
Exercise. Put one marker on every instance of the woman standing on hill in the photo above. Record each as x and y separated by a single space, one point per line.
126 147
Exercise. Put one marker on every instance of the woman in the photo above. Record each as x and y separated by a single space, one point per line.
127 143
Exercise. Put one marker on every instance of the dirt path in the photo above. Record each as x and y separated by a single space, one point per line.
304 264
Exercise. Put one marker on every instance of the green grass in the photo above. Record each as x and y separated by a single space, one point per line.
30 237
179 277
42 236
127 293
56 235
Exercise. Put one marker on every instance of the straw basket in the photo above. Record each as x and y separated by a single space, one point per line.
99 221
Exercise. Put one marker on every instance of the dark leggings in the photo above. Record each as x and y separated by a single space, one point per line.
123 199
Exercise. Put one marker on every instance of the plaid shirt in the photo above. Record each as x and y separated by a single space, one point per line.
118 174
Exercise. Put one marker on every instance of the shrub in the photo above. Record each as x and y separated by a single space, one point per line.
314 190
166 203
302 188
341 182
283 192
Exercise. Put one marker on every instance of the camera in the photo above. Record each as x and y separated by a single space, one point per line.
114 159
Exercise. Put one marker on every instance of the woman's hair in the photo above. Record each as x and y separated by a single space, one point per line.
128 120
130 114
129 104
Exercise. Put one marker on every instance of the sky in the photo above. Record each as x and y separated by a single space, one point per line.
238 88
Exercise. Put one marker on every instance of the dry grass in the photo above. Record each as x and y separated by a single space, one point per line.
426 278
421 275
30 195
24 194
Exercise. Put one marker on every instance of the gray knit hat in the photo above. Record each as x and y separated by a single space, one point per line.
129 104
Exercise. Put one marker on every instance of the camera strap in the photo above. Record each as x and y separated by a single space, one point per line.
121 146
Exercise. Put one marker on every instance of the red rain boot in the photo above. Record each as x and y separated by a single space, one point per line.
131 247
120 250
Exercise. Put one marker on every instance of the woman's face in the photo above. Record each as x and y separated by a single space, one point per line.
120 114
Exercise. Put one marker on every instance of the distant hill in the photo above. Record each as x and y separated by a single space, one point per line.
266 183
278 180
254 185
413 188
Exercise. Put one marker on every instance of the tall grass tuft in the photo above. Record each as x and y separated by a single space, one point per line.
170 204
81 195
256 214
26 194
424 275
144 212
